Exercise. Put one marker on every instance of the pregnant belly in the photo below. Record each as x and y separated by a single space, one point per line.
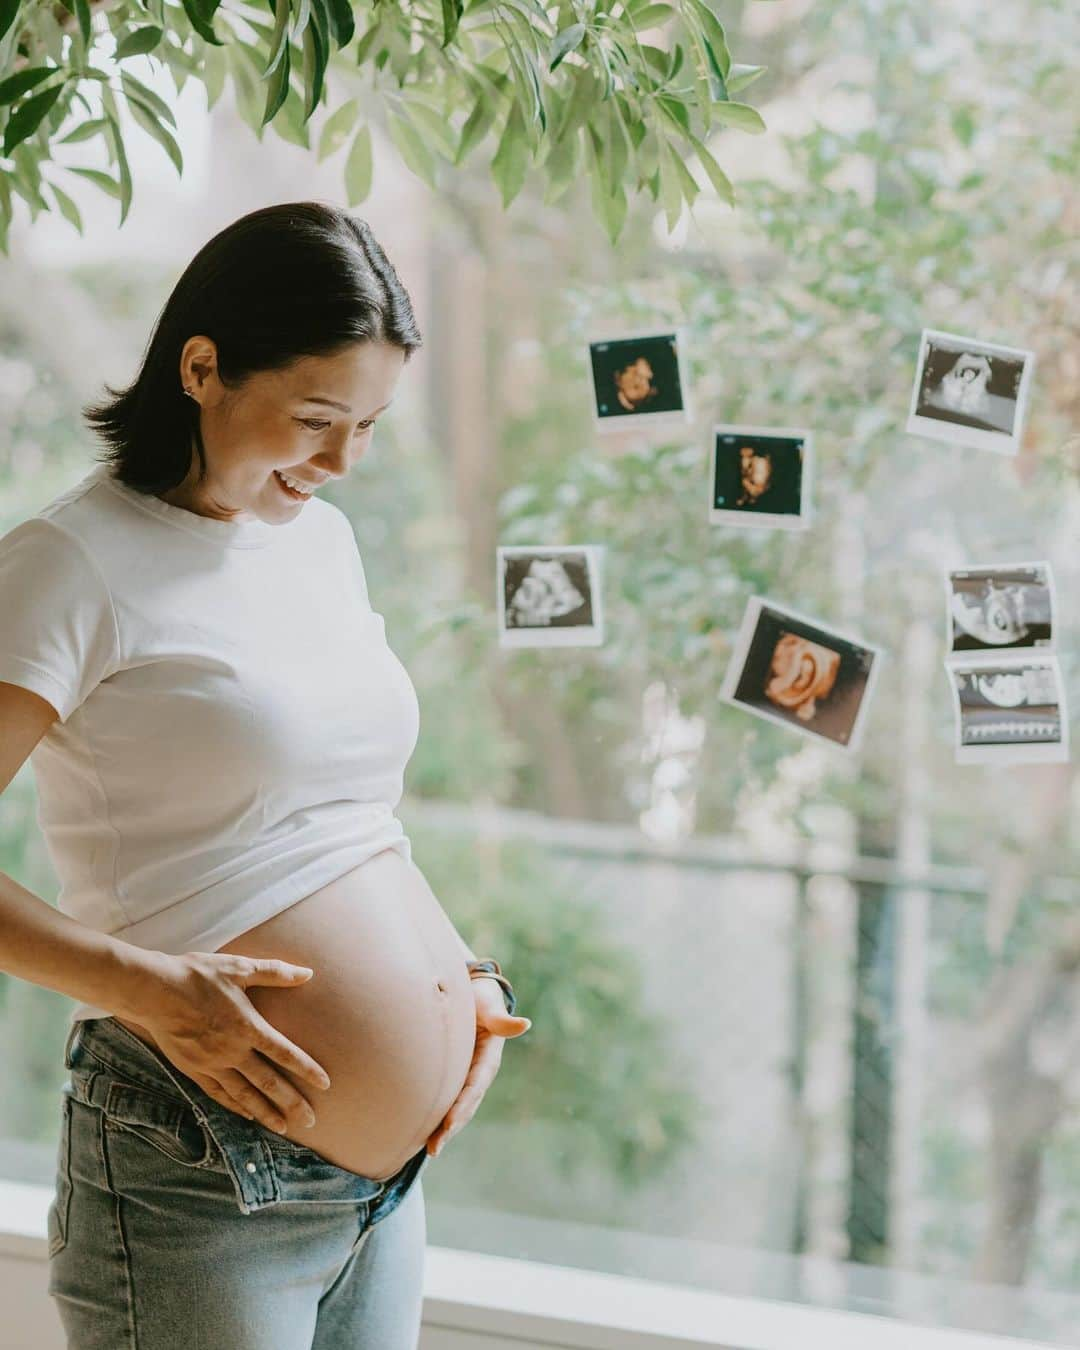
388 1013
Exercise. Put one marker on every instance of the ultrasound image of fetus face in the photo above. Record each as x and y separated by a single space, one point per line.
545 593
800 673
634 383
996 617
755 474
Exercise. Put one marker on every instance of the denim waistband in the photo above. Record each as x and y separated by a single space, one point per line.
263 1172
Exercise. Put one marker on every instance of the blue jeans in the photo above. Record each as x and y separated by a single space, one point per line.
178 1223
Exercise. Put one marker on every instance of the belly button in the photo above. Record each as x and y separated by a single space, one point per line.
440 986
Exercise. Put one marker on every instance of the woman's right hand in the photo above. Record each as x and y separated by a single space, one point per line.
205 1024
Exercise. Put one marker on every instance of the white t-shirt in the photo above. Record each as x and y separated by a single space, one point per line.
233 728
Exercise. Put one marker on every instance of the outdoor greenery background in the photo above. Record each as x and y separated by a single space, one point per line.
920 171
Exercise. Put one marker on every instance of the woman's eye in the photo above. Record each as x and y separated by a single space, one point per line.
315 425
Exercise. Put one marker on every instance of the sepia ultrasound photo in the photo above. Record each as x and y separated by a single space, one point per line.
790 669
760 477
549 597
639 378
970 392
1011 712
1000 607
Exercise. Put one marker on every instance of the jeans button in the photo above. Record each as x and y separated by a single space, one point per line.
250 1166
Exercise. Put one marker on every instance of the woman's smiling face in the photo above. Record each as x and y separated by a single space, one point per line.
312 421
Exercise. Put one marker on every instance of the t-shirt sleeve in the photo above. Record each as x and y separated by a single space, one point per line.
58 634
352 554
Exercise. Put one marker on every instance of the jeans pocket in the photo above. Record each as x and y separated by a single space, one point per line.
166 1124
57 1221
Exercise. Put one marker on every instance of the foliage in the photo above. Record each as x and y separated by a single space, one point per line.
571 87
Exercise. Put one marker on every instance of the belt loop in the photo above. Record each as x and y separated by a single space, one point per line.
72 1033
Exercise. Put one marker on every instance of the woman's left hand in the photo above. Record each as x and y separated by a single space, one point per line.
494 1025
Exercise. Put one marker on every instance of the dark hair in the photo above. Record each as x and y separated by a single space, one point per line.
285 282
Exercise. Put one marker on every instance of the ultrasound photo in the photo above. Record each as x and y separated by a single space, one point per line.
639 378
970 392
995 608
790 669
760 477
1012 712
549 597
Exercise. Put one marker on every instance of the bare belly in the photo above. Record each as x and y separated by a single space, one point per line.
389 1012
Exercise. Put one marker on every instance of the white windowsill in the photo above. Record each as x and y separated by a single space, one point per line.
469 1292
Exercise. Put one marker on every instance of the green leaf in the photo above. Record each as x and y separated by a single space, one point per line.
618 151
290 124
717 176
741 76
82 11
131 85
84 131
102 180
279 36
511 158
652 16
68 209
277 84
609 206
363 47
26 119
582 98
561 165
713 30
16 85
411 147
676 113
342 22
435 128
214 71
476 127
316 56
123 166
670 194
150 124
138 42
567 41
358 167
202 26
740 115
451 17
8 10
526 76
689 184
336 129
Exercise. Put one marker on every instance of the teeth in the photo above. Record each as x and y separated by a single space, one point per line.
299 487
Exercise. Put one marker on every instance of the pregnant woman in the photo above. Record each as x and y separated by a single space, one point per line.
278 1024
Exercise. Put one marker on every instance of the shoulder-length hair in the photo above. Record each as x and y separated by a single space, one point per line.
282 283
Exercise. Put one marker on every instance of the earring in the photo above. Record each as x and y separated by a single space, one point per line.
187 390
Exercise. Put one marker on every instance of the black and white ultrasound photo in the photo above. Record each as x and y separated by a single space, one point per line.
997 608
1011 712
549 597
970 392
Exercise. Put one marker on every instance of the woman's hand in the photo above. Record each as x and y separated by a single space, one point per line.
203 1022
494 1025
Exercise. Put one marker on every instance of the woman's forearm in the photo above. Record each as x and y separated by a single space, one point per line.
45 947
